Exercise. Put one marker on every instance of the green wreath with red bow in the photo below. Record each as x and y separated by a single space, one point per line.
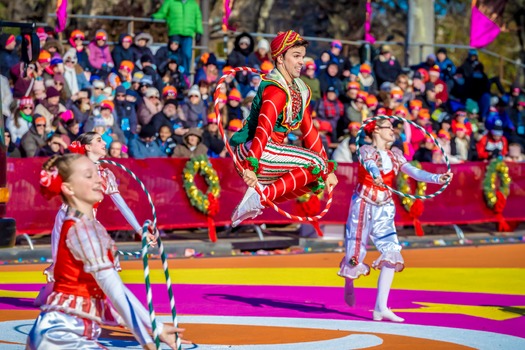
496 198
207 203
414 207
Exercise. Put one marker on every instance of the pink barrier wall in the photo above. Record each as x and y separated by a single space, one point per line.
461 203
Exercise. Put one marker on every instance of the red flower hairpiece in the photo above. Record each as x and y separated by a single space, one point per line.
369 128
50 183
77 147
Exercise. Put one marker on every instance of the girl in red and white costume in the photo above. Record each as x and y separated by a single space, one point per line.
372 213
86 280
91 145
282 171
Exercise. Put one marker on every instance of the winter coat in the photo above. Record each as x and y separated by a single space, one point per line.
139 149
386 70
314 85
159 120
120 54
182 17
8 58
126 110
31 142
195 114
17 132
100 56
240 57
214 143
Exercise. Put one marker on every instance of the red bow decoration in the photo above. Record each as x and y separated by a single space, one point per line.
369 128
501 203
77 147
415 212
50 183
311 207
213 209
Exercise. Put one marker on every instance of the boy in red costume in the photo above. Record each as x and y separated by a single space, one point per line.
281 171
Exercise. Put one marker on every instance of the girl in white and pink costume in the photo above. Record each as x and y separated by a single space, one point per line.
88 290
372 213
91 145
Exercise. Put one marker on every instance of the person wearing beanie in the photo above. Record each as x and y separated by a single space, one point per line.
366 80
440 86
8 54
192 145
144 146
194 108
171 51
151 105
447 68
21 120
122 51
99 54
141 46
125 112
169 93
35 138
76 40
243 55
212 138
50 108
74 73
147 64
280 106
462 146
309 78
262 52
173 75
234 105
170 112
386 67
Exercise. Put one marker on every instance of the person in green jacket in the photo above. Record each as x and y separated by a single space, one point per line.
184 18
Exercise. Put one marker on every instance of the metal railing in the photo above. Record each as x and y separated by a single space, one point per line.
228 36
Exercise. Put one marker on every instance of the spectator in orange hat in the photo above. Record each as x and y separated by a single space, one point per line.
371 103
396 98
213 139
401 111
8 54
366 80
352 89
35 138
443 138
462 147
76 40
99 54
267 67
234 105
414 107
417 136
234 125
125 72
169 93
122 51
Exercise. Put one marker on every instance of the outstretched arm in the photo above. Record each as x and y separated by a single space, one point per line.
425 176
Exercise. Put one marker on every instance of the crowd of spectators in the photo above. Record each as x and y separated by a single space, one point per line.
144 102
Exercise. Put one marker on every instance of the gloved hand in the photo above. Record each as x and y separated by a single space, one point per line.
198 38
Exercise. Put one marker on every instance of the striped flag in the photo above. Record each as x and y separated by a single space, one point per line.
486 21
61 16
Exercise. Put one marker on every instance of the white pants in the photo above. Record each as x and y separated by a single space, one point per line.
56 330
377 222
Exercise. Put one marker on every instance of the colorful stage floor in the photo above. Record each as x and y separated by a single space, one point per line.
451 298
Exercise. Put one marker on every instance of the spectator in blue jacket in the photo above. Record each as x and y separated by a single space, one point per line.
145 146
446 66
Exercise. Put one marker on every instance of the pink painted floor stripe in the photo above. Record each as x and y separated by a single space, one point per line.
315 302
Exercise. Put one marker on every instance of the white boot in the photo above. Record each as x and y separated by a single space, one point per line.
249 207
349 292
384 283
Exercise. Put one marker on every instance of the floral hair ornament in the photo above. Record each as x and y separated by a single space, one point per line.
77 147
369 128
50 183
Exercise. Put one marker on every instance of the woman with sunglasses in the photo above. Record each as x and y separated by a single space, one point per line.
20 121
372 213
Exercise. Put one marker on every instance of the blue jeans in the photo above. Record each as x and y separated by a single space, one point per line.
186 45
